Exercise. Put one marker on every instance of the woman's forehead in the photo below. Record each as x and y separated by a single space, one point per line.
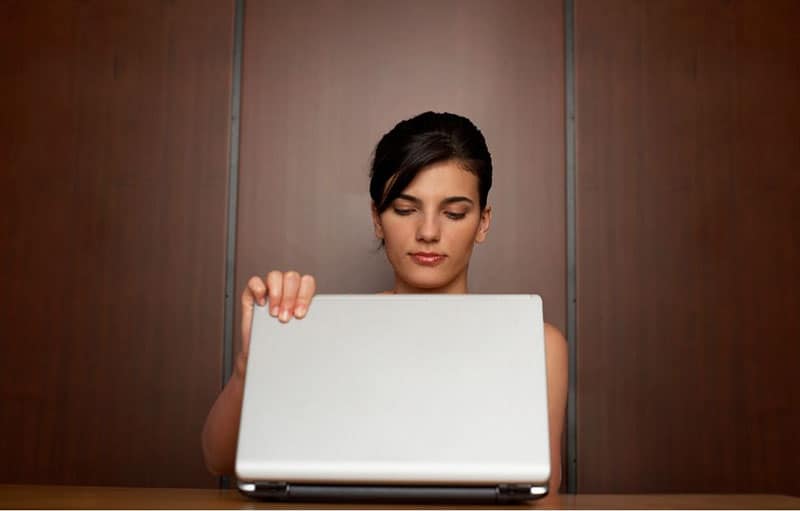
441 180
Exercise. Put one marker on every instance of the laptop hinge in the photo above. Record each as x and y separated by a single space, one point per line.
503 493
266 490
517 492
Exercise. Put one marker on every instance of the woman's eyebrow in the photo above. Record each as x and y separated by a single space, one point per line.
451 200
448 200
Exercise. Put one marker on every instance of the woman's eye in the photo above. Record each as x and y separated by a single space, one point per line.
403 212
455 216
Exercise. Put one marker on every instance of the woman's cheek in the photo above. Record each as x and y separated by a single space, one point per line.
463 235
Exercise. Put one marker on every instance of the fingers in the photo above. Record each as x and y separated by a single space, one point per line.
258 290
289 296
288 293
275 285
291 285
307 288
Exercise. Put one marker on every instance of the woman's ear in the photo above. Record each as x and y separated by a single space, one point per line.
483 226
376 222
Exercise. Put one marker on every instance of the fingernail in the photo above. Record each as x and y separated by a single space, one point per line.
261 302
284 315
300 310
274 311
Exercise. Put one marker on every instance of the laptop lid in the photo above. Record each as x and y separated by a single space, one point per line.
398 390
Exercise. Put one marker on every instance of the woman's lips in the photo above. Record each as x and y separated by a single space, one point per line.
427 259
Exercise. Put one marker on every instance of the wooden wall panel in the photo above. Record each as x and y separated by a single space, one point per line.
688 256
323 80
113 188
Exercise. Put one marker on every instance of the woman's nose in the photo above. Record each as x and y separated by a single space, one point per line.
429 229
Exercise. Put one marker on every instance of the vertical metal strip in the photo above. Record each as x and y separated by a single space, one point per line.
572 437
233 193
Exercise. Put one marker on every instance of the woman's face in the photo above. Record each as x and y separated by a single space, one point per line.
430 229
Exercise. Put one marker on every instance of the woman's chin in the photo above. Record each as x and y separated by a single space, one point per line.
426 280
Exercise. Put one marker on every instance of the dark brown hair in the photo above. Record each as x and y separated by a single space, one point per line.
421 141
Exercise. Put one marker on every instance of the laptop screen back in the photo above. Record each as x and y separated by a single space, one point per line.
398 389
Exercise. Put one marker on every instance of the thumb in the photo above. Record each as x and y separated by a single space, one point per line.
247 320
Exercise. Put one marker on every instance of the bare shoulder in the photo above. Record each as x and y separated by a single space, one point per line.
556 355
554 341
557 360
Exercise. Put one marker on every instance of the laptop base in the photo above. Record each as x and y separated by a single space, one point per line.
501 494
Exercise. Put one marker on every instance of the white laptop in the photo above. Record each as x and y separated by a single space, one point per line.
397 397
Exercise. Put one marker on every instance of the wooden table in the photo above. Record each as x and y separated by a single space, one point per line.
89 497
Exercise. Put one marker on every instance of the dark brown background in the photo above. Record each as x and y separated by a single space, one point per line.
688 257
115 122
114 171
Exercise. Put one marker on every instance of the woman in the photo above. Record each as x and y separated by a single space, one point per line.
430 180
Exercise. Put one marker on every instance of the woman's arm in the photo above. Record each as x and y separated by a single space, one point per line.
289 296
221 431
557 356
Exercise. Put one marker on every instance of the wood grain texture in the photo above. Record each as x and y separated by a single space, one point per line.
114 140
324 80
688 256
86 497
